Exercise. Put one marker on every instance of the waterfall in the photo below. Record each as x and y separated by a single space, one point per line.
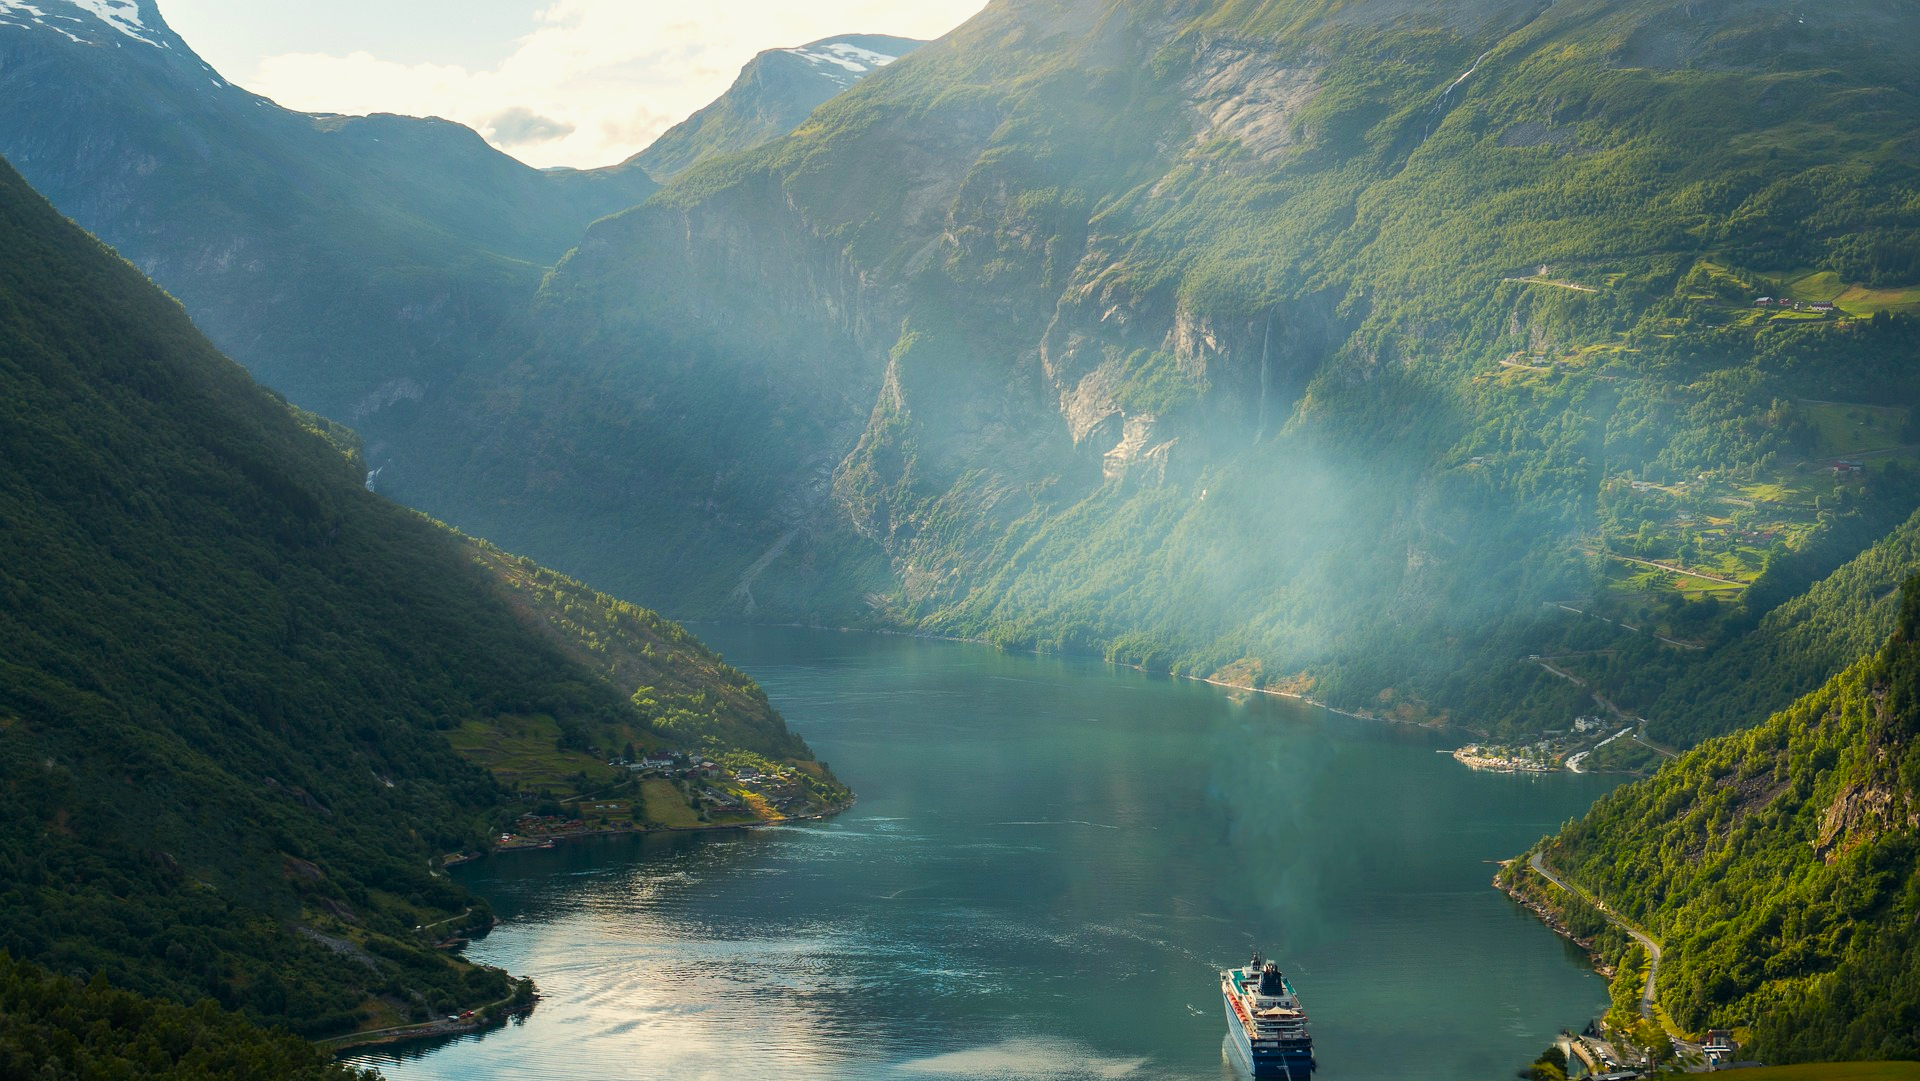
1266 339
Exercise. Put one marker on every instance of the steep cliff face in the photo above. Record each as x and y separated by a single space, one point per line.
899 305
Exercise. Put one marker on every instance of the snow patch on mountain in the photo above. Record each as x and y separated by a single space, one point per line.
19 13
855 60
122 15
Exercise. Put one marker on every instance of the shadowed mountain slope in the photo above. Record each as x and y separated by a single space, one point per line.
350 262
231 673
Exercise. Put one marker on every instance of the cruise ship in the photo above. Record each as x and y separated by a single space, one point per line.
1265 1021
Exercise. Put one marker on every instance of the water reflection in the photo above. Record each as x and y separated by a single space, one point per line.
1048 866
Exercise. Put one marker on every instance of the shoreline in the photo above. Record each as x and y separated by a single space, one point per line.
1546 916
895 632
427 1030
1358 714
644 830
1362 715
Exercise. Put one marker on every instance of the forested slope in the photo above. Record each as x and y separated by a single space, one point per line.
1778 866
56 1027
1343 348
1363 350
230 672
1799 644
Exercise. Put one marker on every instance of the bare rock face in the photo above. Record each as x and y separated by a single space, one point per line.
1858 811
1246 99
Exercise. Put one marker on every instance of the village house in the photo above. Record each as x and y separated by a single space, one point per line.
1719 1047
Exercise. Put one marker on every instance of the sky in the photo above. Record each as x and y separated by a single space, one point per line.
552 82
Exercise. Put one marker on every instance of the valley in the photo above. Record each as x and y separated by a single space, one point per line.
1040 827
1530 383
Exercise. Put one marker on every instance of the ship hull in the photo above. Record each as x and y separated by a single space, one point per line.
1271 1058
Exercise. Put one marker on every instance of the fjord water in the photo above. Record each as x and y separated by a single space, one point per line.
1049 862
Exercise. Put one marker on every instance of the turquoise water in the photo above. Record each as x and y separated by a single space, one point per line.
1049 863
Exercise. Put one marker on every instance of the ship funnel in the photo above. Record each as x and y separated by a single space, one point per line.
1270 980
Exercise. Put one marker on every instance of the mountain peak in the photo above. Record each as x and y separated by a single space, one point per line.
92 22
774 93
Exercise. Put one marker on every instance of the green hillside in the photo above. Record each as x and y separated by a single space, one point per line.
53 1026
1798 644
1777 866
1362 350
234 679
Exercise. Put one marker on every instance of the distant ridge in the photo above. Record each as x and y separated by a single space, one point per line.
349 261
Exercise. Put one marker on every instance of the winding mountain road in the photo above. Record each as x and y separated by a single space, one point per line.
1690 1054
1539 864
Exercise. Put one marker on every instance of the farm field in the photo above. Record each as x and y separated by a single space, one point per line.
522 751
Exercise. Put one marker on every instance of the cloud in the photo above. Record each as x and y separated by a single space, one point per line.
596 80
520 125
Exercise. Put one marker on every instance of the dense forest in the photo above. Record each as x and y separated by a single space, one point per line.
233 675
58 1028
1778 866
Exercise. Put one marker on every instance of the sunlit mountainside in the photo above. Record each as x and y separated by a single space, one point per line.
1362 350
1777 866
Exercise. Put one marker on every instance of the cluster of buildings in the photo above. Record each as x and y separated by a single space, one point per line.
1822 306
781 789
676 764
1609 1061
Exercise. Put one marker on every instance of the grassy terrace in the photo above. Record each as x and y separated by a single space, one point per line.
1855 300
523 752
1705 539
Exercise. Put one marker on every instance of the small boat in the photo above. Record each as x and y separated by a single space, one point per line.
1265 1022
